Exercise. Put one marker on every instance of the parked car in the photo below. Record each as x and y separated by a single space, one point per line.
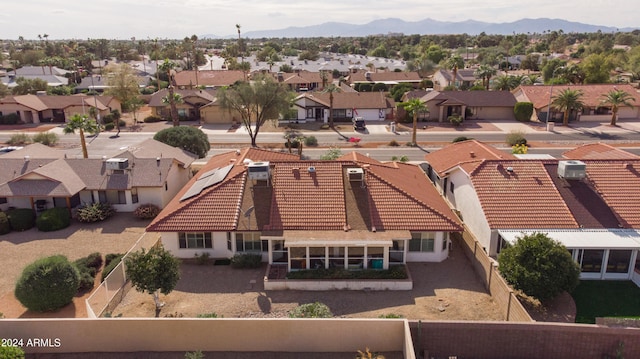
358 124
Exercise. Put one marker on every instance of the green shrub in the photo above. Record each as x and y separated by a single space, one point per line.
109 126
9 119
203 258
47 284
95 212
7 352
86 283
292 144
311 310
390 316
111 261
311 141
53 219
5 227
194 355
152 119
146 211
19 139
87 268
246 260
94 260
404 159
21 219
516 138
46 138
523 111
455 120
187 138
209 315
394 143
460 139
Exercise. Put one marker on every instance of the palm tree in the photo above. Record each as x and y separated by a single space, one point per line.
503 83
415 106
331 89
454 63
566 101
167 66
485 72
617 98
82 124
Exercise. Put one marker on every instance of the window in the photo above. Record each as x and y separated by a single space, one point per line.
250 242
195 240
134 195
355 257
451 188
618 261
3 200
396 252
341 113
316 257
336 257
422 242
375 257
298 257
229 241
113 197
590 260
444 243
309 113
279 252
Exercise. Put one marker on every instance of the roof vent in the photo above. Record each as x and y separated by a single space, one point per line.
509 169
572 170
311 169
472 154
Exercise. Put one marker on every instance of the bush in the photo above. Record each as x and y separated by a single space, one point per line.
53 219
95 212
523 111
9 119
9 352
111 262
19 139
390 316
203 258
21 219
455 120
516 138
311 310
460 139
246 260
311 141
46 138
187 138
152 119
47 284
109 126
394 143
209 315
146 211
5 227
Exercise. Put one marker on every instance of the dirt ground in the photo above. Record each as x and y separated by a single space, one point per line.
442 291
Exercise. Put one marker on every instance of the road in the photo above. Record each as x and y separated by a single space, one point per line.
559 141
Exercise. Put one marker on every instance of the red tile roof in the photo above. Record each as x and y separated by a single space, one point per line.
598 151
592 94
466 154
523 197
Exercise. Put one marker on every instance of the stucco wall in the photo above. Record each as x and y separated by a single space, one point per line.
218 240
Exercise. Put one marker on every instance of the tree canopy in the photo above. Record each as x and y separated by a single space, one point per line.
82 124
122 83
539 266
187 138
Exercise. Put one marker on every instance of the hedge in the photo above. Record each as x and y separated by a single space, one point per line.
47 284
21 219
53 219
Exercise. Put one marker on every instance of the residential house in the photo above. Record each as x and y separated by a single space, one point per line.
372 106
302 81
592 96
44 108
98 83
352 213
442 79
188 109
590 205
471 105
189 79
388 78
39 177
54 76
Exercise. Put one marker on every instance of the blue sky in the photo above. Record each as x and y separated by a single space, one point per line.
120 19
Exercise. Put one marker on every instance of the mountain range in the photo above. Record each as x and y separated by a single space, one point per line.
426 27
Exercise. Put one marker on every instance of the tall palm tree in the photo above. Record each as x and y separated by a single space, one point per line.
331 89
485 72
503 83
415 106
454 63
617 98
82 124
566 101
240 50
167 66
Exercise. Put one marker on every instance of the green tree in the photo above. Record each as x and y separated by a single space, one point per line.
566 101
331 89
25 86
123 84
485 72
256 102
47 284
331 154
523 111
82 124
153 272
617 98
596 68
454 63
7 352
539 266
166 67
414 106
187 138
4 90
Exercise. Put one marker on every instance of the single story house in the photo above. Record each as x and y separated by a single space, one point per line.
593 94
372 106
352 213
39 177
591 205
189 108
44 108
389 78
189 79
98 83
465 78
302 81
53 75
471 105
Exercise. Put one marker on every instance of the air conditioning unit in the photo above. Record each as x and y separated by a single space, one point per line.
259 171
572 170
355 174
117 163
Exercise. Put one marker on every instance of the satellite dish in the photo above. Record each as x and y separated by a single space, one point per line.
247 213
